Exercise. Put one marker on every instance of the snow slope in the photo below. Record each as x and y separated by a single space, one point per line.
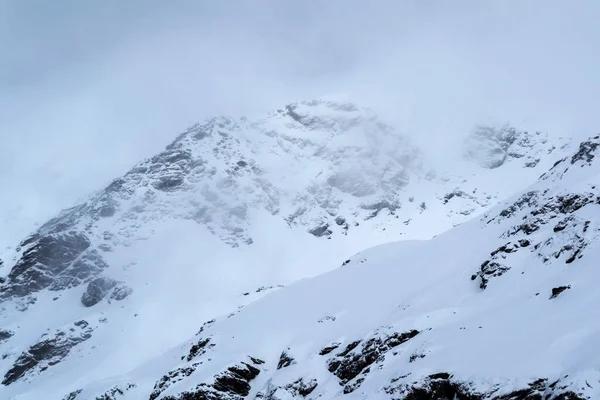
234 208
414 320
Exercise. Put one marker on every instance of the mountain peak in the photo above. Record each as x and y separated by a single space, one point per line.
233 210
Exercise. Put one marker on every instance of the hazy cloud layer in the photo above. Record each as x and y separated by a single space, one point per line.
88 88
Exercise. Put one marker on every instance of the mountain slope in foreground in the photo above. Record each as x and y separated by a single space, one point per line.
227 213
502 307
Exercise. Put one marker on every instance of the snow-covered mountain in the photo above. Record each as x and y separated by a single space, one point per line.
235 209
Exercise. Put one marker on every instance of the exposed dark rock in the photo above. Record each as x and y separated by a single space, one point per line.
107 211
120 292
116 186
570 231
489 270
568 396
101 287
507 248
265 288
302 388
73 395
105 247
492 268
574 231
66 221
556 164
348 364
537 390
576 254
285 360
442 386
558 290
440 375
30 239
586 152
199 349
97 290
48 351
22 304
5 335
236 379
311 121
351 346
268 393
327 318
290 110
56 261
524 243
171 378
340 221
565 204
166 171
377 207
528 199
527 228
532 164
415 356
115 392
168 183
206 325
202 392
322 230
196 131
451 195
439 389
232 384
329 349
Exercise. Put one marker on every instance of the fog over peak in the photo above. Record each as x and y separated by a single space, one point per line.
87 89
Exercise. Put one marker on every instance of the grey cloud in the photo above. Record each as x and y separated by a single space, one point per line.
88 88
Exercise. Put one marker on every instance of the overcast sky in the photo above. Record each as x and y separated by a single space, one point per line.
87 88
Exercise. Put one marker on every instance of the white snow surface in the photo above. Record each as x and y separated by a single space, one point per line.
240 219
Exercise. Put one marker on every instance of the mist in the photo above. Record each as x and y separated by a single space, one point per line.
87 89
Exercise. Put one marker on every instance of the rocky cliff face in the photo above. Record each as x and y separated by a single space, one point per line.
232 205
